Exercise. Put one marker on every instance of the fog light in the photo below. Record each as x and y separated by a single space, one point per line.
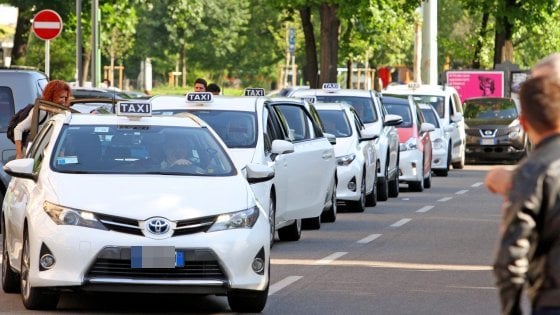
413 168
47 261
436 161
258 265
352 184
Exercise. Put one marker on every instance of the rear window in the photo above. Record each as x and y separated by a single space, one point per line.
6 107
363 105
490 109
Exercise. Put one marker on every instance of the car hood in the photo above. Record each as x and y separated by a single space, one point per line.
143 196
487 123
344 146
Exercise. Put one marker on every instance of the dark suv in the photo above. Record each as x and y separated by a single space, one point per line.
493 130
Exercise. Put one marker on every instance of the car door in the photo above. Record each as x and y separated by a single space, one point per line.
392 139
425 141
368 150
458 135
311 167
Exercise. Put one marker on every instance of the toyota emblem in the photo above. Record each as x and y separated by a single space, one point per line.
158 226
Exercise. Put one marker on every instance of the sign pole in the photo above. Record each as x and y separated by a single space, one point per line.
47 58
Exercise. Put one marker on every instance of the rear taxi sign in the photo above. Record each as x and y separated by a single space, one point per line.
331 87
136 108
199 97
254 92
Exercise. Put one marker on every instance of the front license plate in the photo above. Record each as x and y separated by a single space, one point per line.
155 257
488 141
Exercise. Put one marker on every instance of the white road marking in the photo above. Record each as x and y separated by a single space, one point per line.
400 222
282 284
425 209
368 239
476 184
445 199
384 264
329 259
405 199
460 192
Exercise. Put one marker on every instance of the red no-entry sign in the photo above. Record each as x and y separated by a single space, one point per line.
47 24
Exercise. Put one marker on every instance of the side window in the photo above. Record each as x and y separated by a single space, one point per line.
458 104
451 109
37 149
359 125
419 118
299 124
6 107
318 125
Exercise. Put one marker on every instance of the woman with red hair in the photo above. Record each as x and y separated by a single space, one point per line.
56 91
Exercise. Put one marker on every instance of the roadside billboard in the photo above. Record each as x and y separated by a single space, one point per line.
471 83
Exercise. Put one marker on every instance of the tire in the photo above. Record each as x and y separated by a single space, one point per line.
34 298
394 186
10 279
290 233
329 215
311 223
371 198
383 186
272 219
247 301
360 205
461 164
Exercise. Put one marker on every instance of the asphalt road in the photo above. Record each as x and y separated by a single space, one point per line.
420 253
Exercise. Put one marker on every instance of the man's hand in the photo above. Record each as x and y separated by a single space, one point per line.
498 180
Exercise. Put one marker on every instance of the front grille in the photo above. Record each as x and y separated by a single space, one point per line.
473 132
194 225
478 132
120 224
114 262
502 132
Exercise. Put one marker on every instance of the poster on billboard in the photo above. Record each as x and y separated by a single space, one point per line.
471 83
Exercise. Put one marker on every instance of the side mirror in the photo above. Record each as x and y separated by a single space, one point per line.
330 137
393 120
427 127
368 135
22 168
282 147
457 117
258 173
449 128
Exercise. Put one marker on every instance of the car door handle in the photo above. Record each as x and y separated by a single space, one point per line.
327 155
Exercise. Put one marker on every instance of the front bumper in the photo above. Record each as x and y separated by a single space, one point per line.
349 176
410 166
439 159
495 148
98 260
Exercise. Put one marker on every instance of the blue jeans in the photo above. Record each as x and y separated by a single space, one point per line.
546 311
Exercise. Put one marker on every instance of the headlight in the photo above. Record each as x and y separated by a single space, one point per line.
345 160
68 216
513 133
244 219
410 144
437 143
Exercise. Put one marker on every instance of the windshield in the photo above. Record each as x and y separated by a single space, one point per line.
117 149
401 109
335 122
238 129
437 102
490 109
362 105
430 117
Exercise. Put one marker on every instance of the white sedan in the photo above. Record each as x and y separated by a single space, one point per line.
441 154
356 156
118 203
279 133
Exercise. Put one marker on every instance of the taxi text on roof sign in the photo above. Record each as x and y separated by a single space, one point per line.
311 99
134 109
199 97
331 86
254 92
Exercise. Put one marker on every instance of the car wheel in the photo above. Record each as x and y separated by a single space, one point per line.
461 164
291 232
428 181
329 215
360 205
383 186
33 298
247 301
371 198
311 223
272 219
10 279
394 184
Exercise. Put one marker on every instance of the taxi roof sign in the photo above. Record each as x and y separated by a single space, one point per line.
311 99
134 108
414 85
254 92
199 97
331 87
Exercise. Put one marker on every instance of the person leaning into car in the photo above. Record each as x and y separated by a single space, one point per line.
56 91
529 250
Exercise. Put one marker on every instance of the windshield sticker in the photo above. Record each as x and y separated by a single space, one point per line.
101 129
64 160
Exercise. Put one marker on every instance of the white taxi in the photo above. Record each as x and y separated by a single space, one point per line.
441 155
131 203
281 134
356 156
373 115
